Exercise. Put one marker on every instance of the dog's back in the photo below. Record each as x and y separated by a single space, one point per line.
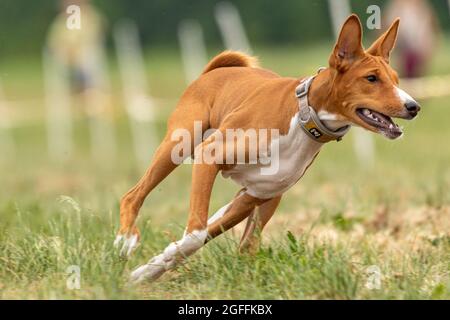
232 78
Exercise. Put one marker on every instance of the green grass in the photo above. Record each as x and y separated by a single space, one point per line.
341 219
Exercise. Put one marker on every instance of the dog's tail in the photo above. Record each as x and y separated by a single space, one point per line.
231 59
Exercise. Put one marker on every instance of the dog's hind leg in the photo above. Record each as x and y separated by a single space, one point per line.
132 201
255 223
203 176
241 207
183 118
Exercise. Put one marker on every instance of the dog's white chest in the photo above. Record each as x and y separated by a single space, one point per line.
296 152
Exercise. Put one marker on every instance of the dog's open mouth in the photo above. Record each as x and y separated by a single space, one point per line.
380 121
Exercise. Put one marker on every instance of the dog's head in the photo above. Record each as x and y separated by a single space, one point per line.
364 86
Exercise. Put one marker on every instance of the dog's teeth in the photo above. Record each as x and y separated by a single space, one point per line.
391 126
366 112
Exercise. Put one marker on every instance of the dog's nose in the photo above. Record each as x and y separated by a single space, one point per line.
413 108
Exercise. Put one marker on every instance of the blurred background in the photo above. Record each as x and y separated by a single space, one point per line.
85 95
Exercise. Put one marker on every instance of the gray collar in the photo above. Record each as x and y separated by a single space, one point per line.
309 120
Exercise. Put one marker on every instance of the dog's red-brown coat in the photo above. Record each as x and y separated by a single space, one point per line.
232 93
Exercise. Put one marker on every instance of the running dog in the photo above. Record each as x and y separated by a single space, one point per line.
358 87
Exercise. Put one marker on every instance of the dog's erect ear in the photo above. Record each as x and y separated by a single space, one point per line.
348 47
385 43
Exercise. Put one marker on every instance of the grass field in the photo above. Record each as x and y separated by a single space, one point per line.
330 230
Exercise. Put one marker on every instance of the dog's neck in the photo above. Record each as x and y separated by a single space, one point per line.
321 97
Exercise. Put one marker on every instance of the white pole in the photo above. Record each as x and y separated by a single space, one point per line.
427 87
6 140
231 27
98 105
193 50
339 11
193 53
59 123
103 142
139 106
363 142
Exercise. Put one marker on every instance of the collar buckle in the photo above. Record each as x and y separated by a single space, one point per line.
301 91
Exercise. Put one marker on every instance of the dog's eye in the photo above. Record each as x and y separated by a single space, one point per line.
372 78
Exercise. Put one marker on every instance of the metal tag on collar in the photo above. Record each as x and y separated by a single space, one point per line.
304 115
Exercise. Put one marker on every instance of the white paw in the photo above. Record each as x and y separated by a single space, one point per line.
168 259
147 272
129 244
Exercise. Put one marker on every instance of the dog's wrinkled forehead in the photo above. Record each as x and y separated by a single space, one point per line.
374 65
385 69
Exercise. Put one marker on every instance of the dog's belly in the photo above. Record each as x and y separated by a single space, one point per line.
296 152
266 186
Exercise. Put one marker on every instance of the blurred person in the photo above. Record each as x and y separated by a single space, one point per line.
77 56
79 50
417 40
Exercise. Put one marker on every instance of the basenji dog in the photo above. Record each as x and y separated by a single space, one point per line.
358 87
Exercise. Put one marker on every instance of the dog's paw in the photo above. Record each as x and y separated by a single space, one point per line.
126 243
147 272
